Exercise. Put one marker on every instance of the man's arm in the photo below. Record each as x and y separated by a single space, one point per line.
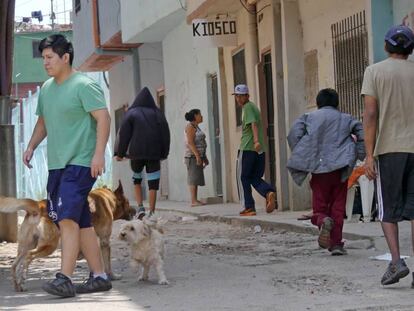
370 124
255 131
103 121
39 133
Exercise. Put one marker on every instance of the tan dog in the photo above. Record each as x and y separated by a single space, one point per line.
147 246
39 236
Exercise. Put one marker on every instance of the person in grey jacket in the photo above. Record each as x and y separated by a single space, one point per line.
326 143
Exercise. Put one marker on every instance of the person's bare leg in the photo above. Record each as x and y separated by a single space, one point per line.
391 236
89 246
193 192
69 231
152 199
138 194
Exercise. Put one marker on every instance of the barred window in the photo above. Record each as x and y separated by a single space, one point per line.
350 53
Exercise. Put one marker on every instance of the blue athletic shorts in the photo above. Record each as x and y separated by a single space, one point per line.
67 194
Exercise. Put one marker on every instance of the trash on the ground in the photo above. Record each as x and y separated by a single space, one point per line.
386 257
189 218
257 229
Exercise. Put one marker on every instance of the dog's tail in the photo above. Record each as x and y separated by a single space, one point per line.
11 205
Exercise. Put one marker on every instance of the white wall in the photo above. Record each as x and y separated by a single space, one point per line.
122 91
109 18
185 70
317 18
404 12
151 67
152 23
83 42
83 38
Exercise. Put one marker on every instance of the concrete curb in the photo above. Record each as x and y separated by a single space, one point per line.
266 225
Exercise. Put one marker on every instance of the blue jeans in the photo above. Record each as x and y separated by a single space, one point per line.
250 169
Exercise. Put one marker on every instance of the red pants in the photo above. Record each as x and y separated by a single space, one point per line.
329 200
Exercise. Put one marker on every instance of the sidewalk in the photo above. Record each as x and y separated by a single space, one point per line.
229 213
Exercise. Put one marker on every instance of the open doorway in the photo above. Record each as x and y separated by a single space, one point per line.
268 113
215 134
164 164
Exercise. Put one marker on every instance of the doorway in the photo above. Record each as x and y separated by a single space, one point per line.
268 113
164 163
215 134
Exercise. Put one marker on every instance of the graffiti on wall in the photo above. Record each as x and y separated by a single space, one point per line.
408 20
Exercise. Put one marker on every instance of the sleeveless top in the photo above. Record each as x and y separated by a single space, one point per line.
199 141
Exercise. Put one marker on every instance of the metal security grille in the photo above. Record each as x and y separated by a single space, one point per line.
350 53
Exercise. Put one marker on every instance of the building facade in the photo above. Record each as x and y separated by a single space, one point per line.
286 51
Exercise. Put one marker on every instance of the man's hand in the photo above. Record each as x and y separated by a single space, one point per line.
257 146
97 165
370 170
205 162
27 156
119 159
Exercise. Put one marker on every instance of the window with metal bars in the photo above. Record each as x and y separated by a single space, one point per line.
350 54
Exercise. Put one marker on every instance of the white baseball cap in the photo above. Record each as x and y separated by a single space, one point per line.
241 89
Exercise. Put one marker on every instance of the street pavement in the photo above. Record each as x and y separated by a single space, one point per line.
217 260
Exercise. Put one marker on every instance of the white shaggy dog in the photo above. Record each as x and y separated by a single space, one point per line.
147 246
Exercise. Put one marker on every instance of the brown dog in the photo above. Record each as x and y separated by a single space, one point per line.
39 236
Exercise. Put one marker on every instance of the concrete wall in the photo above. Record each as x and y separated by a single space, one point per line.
381 21
317 16
122 92
83 41
404 14
151 67
186 70
109 18
152 23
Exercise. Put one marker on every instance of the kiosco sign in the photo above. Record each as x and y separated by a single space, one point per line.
214 33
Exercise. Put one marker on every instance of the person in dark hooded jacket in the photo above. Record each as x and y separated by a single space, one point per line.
144 138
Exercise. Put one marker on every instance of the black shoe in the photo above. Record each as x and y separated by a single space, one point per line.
61 286
395 272
93 285
140 212
338 250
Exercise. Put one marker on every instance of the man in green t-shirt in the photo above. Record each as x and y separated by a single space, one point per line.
251 156
73 115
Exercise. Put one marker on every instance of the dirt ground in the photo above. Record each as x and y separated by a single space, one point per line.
215 266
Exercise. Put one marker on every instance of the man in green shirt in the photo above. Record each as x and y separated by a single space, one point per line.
251 156
73 115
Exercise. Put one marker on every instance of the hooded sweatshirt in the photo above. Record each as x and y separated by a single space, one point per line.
144 133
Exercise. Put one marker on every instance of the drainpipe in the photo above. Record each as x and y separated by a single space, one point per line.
114 50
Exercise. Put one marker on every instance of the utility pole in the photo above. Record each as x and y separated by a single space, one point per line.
52 15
